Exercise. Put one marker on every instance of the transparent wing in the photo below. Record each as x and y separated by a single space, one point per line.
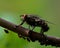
47 21
50 22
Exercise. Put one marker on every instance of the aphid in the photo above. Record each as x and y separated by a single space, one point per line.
35 21
6 31
21 36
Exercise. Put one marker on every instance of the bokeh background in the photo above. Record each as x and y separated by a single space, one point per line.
10 10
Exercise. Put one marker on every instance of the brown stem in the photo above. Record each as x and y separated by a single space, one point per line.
43 39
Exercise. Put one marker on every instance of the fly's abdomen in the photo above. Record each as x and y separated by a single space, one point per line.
45 29
43 25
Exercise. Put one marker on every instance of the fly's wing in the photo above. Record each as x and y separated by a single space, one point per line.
50 22
36 18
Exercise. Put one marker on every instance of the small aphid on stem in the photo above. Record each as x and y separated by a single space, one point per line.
6 31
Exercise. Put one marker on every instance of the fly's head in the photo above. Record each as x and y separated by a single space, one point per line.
23 16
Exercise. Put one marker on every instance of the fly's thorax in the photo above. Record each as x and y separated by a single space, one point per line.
41 23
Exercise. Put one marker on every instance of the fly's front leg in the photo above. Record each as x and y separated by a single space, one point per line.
21 36
28 39
20 24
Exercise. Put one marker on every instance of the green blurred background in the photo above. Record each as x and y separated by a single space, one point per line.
10 10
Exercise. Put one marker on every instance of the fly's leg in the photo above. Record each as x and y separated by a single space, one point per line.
41 32
29 27
28 39
20 24
33 28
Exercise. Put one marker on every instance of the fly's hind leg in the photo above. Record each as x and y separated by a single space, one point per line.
41 32
33 28
29 27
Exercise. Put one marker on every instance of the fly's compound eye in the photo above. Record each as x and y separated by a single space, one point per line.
22 17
